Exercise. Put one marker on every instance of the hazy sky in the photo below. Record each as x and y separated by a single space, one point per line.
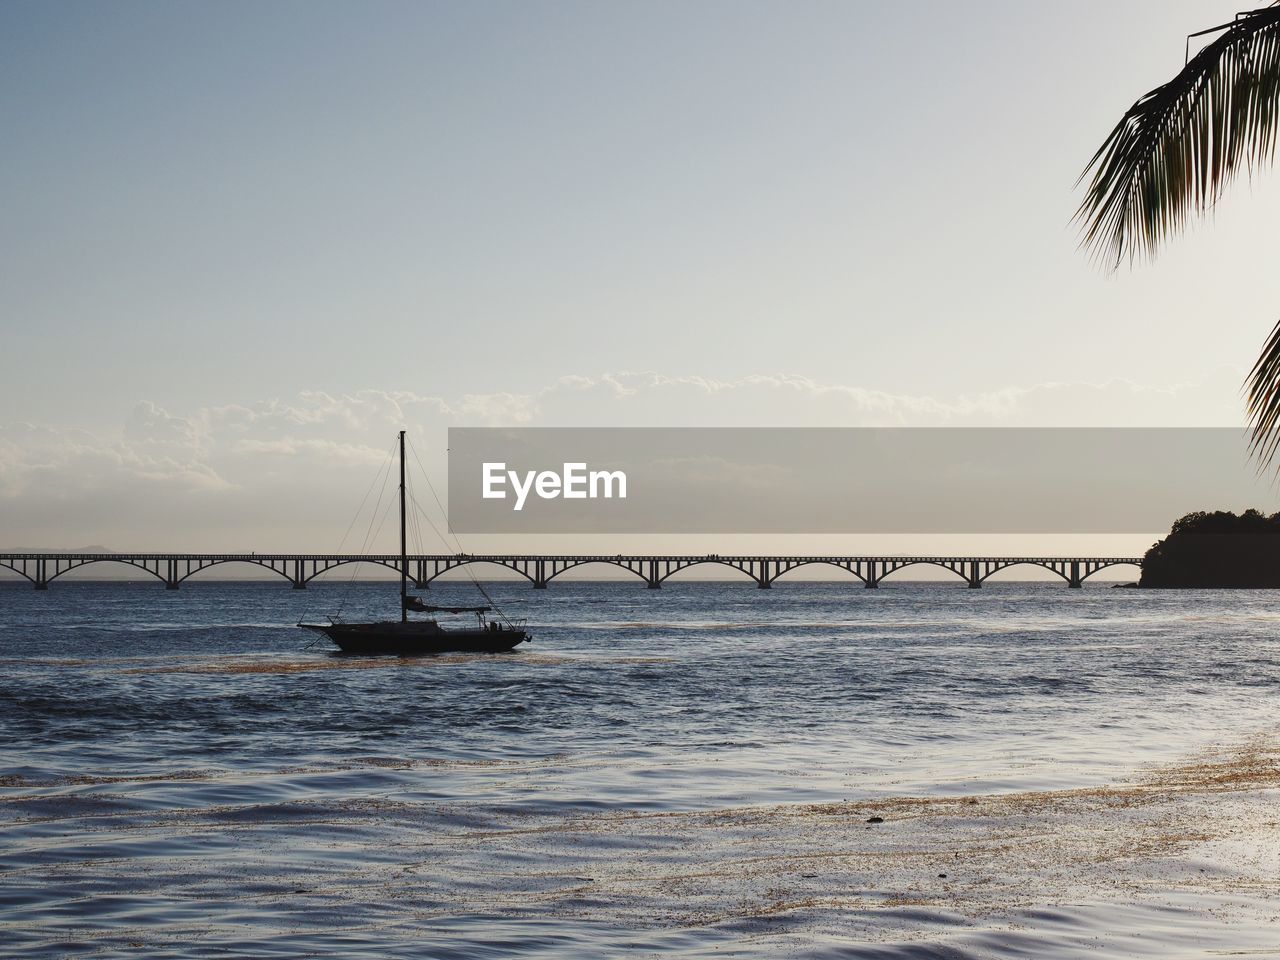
241 242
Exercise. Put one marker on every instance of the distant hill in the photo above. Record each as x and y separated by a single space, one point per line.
1218 549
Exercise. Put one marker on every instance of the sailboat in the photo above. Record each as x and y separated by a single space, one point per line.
406 637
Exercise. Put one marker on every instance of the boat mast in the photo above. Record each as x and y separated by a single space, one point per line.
404 546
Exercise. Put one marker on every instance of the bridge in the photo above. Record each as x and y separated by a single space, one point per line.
172 569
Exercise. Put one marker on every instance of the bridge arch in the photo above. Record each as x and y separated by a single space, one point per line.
931 563
829 563
335 564
472 561
1061 567
1103 564
698 561
1062 575
8 565
77 564
621 565
208 564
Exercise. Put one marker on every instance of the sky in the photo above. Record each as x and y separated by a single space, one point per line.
243 243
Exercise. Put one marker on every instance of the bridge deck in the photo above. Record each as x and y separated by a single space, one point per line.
541 569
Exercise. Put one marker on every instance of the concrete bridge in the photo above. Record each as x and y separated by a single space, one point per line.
540 569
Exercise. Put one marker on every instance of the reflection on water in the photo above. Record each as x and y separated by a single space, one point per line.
687 771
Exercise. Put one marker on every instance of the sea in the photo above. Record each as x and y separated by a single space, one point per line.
692 771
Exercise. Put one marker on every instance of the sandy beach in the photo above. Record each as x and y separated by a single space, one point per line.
1181 860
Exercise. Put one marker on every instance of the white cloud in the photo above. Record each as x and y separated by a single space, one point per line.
290 470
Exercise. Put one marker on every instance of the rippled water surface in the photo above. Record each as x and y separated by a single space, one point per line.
183 775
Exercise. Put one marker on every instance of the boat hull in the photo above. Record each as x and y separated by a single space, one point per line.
416 639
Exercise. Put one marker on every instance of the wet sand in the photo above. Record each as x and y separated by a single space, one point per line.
1183 860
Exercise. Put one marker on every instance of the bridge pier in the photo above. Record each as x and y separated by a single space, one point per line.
41 585
299 584
653 580
872 579
1075 579
171 584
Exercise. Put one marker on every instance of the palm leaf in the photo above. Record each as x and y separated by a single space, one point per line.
1174 151
1179 145
1264 400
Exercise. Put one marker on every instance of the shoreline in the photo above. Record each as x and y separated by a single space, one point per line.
1177 858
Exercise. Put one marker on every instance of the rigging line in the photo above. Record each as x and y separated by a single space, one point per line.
415 529
457 543
419 515
385 461
440 506
422 540
385 513
368 535
351 526
466 567
434 528
420 534
355 569
391 502
411 540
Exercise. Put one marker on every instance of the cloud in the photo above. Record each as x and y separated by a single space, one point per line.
57 464
656 399
289 470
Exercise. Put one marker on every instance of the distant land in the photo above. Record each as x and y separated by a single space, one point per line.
1218 549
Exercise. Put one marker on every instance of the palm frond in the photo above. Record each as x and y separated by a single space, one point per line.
1179 145
1264 401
